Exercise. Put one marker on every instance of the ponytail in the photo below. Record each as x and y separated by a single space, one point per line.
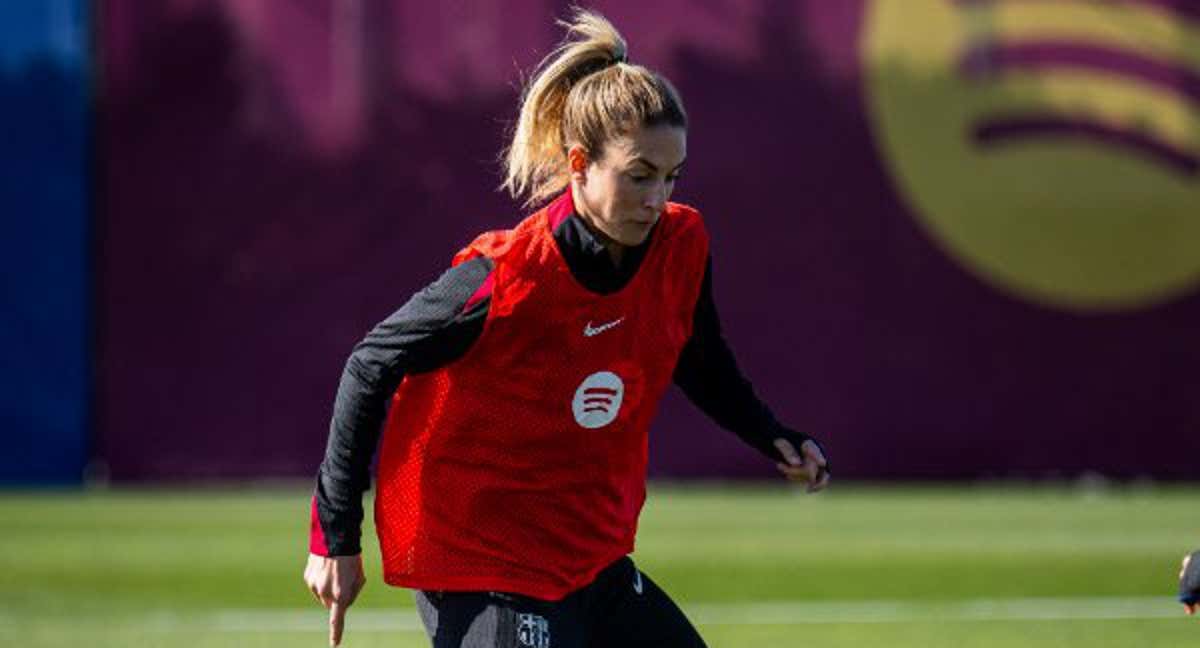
584 92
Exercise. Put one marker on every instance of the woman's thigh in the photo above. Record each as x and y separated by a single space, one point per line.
498 620
632 611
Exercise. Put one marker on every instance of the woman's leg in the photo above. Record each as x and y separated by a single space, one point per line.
631 611
497 620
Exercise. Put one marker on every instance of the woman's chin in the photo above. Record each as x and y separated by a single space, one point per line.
635 234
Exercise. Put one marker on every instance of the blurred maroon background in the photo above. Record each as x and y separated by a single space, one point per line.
277 177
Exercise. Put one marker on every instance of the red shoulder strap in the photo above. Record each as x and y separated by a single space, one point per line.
486 244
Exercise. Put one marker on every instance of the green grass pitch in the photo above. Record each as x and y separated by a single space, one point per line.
895 566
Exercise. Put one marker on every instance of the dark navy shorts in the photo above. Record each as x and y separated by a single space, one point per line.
621 608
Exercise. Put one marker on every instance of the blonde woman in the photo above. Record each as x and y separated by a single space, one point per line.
523 381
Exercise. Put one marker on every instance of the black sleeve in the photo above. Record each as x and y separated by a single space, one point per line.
709 375
434 328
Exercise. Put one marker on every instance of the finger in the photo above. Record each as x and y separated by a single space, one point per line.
808 474
813 451
811 470
1190 609
822 479
822 482
788 451
795 473
337 623
325 593
806 469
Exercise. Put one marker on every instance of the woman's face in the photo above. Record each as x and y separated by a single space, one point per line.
623 193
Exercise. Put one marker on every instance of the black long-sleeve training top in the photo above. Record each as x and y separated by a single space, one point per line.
437 326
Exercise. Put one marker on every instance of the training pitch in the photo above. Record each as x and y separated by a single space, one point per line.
860 565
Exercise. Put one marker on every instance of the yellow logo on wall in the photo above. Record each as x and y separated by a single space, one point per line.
1051 147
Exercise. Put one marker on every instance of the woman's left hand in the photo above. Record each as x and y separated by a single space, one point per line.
809 469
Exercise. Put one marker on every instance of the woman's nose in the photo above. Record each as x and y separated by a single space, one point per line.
656 198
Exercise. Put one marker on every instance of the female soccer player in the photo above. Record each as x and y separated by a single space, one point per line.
523 381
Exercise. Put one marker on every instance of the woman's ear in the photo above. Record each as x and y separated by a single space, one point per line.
577 162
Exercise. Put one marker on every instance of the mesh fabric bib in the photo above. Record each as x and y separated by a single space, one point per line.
520 467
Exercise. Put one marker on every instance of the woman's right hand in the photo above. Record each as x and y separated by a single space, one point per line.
336 582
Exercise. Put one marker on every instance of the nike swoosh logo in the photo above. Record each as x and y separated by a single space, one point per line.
589 330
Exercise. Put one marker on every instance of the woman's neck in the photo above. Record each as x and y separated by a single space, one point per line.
616 251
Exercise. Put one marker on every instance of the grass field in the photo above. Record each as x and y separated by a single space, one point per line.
753 566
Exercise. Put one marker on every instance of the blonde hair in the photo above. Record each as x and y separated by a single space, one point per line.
584 92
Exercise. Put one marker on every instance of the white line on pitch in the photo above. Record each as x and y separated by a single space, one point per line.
758 613
892 611
708 614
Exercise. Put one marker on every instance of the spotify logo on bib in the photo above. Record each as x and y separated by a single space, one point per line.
598 400
1052 148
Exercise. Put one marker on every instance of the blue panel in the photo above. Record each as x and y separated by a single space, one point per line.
44 259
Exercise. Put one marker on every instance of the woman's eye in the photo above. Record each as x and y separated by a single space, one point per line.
639 178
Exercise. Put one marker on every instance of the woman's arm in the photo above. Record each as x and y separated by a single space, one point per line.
434 328
709 375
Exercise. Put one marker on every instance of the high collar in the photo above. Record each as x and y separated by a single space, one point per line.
584 252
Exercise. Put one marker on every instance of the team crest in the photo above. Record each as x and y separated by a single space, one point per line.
533 631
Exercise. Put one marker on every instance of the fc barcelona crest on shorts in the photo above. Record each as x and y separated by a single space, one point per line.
533 631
